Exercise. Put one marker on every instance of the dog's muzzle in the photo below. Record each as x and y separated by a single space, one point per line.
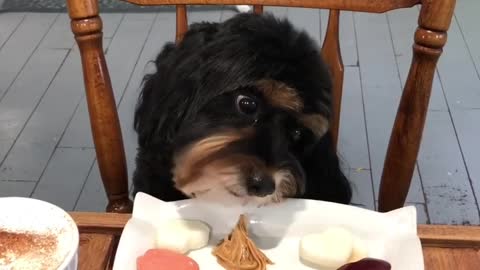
260 185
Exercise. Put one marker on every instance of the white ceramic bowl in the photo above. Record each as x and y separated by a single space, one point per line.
36 216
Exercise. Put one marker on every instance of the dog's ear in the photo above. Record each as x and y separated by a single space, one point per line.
171 94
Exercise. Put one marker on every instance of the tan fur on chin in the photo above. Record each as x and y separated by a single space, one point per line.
208 168
210 179
284 180
206 158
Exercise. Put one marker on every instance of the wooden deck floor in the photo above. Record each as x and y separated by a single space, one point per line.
46 149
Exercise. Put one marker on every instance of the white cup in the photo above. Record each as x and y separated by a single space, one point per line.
26 215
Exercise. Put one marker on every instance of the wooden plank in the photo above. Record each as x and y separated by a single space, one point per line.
8 24
95 251
361 181
352 147
381 91
468 134
5 145
279 12
445 258
30 86
111 23
422 215
203 16
449 196
403 24
20 46
19 103
60 36
227 13
122 56
93 197
306 19
16 188
324 23
32 82
30 153
63 179
90 222
447 236
459 78
348 40
466 14
165 25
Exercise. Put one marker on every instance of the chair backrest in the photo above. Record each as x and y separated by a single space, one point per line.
429 39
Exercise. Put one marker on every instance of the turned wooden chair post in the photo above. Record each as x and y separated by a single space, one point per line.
258 9
87 28
430 37
182 22
333 58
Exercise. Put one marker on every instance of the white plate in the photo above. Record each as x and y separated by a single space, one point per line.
276 229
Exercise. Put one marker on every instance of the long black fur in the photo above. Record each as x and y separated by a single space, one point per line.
215 59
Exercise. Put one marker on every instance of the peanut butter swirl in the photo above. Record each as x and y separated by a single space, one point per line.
238 252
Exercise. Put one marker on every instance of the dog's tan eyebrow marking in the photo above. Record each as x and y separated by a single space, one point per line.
280 95
317 123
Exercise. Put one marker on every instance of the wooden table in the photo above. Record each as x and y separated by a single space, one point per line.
444 247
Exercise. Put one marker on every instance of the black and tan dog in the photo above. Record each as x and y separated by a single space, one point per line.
238 111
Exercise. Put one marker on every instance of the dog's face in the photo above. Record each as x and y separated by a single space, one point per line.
235 111
247 144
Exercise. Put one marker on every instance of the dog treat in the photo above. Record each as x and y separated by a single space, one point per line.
367 264
182 235
238 252
164 259
329 249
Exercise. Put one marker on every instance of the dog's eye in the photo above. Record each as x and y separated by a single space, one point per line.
246 105
296 134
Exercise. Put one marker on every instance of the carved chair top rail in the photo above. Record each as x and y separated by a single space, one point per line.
374 6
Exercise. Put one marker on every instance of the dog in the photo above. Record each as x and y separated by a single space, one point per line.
238 112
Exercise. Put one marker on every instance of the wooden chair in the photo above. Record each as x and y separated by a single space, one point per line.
429 39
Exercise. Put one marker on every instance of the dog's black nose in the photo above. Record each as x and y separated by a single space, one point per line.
260 186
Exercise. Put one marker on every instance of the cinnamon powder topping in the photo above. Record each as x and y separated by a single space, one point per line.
26 250
238 252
